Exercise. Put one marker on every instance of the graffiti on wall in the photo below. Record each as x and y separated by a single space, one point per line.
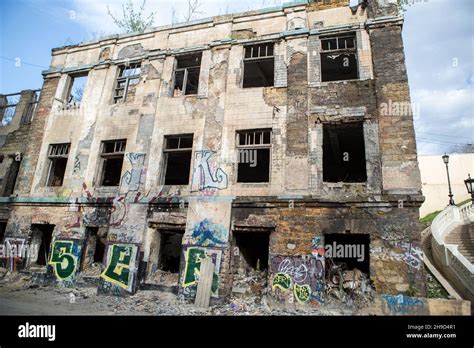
64 258
303 275
192 265
206 173
202 230
207 233
97 217
409 253
401 305
121 265
131 180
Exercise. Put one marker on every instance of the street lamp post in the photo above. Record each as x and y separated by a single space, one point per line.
446 161
469 185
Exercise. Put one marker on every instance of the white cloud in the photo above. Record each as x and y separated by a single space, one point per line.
93 15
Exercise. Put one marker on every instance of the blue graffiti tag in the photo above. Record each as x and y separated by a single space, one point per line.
402 304
206 233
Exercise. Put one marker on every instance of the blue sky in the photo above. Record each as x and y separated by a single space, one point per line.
438 37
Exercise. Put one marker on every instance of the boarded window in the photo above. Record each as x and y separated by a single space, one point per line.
344 153
253 151
339 58
259 66
112 161
178 151
128 78
58 155
186 75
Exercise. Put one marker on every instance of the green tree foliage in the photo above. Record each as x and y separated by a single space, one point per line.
133 20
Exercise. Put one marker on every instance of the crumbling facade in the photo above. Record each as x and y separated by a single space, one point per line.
254 139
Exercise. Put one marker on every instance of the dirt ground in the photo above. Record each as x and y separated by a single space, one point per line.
20 296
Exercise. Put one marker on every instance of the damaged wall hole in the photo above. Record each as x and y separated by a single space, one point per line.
95 246
41 241
170 250
344 153
252 248
351 250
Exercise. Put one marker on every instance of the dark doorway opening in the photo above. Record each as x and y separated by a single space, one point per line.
3 227
170 250
253 248
43 233
353 250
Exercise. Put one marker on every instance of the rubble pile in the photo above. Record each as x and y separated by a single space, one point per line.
350 288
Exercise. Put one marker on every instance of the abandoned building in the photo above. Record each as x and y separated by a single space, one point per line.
253 139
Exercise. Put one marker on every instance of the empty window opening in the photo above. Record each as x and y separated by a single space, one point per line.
112 161
344 153
253 151
178 152
339 58
128 78
186 75
259 66
76 87
3 227
29 112
58 155
252 249
42 235
11 177
95 246
8 105
350 250
170 250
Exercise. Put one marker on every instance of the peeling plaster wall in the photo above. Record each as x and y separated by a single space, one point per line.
296 109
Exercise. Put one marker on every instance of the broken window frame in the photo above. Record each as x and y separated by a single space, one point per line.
185 76
73 77
29 113
118 152
339 50
10 104
126 79
167 151
259 57
260 146
56 151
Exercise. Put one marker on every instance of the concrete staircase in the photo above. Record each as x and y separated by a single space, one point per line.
463 237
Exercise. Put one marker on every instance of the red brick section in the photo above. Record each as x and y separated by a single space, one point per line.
30 158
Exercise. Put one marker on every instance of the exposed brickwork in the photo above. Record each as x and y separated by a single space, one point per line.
295 206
